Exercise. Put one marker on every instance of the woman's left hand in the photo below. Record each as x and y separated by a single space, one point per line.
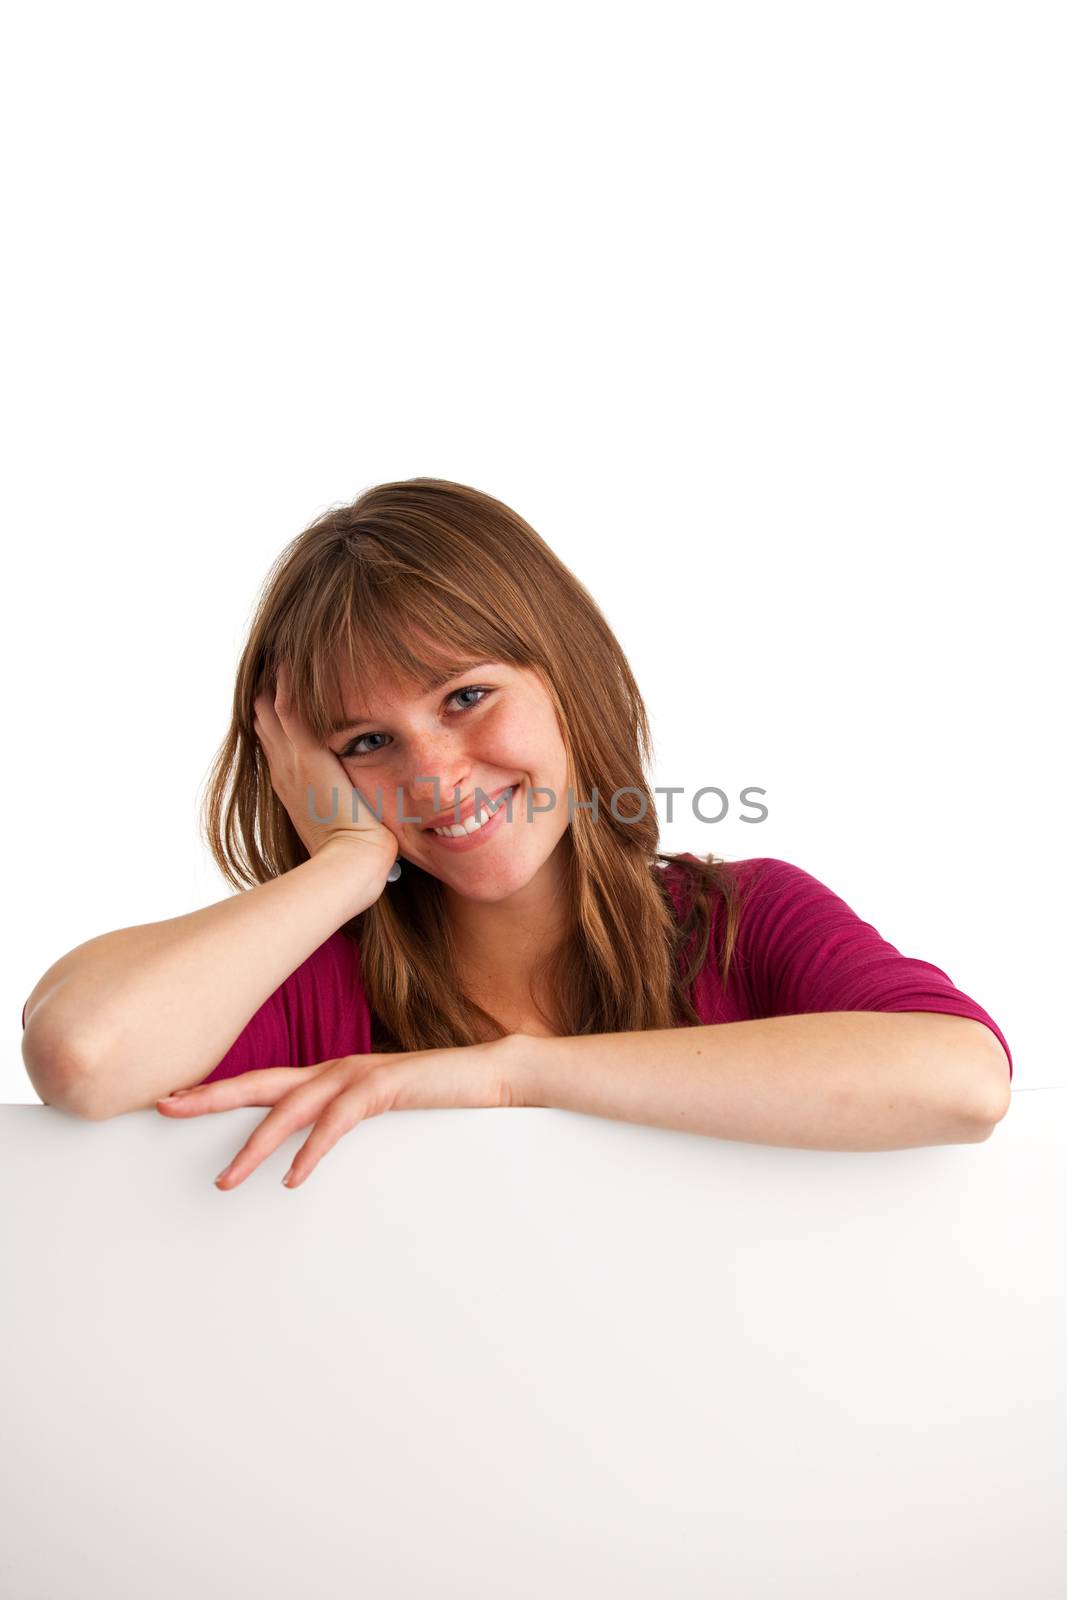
338 1095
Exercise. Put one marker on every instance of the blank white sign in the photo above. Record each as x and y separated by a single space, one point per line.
526 1352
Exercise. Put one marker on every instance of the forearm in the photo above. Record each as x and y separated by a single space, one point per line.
144 1010
841 1080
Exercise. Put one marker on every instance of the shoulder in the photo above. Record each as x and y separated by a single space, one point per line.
759 901
768 874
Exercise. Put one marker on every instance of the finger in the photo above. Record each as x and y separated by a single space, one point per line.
190 1102
265 714
285 715
294 1111
263 1087
281 689
345 1112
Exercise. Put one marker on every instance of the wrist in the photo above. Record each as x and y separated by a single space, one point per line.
517 1060
362 867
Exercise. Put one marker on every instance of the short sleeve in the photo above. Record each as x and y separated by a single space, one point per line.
318 1013
806 950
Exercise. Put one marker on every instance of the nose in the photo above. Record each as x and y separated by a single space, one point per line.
440 758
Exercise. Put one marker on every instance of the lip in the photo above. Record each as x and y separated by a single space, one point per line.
448 819
470 841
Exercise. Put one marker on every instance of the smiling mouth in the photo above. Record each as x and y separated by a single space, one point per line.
483 813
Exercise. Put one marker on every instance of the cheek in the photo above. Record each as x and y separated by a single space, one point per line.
376 791
527 738
539 748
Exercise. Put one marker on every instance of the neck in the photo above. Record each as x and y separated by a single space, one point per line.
500 942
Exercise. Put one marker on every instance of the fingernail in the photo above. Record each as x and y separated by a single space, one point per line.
225 1173
289 1174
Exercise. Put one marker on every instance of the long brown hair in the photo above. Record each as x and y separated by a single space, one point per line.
429 559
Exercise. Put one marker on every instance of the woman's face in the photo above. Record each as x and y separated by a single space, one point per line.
490 728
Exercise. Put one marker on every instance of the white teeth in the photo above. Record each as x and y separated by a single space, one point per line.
489 810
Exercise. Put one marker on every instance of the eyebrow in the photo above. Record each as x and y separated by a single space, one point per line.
435 683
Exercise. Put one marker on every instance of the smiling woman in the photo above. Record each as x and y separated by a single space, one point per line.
439 649
425 654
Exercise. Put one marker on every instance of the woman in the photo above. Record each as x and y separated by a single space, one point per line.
420 660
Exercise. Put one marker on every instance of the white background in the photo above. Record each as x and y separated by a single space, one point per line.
755 313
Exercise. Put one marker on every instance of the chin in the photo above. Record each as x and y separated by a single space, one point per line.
496 881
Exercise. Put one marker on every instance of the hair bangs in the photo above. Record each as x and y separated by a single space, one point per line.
403 631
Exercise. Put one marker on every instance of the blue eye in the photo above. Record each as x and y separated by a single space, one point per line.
351 752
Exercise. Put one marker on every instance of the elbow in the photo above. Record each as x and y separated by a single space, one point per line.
971 1072
992 1100
60 1070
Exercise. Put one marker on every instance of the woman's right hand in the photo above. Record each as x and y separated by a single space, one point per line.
296 762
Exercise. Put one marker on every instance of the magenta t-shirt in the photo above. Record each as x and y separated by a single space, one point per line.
799 948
